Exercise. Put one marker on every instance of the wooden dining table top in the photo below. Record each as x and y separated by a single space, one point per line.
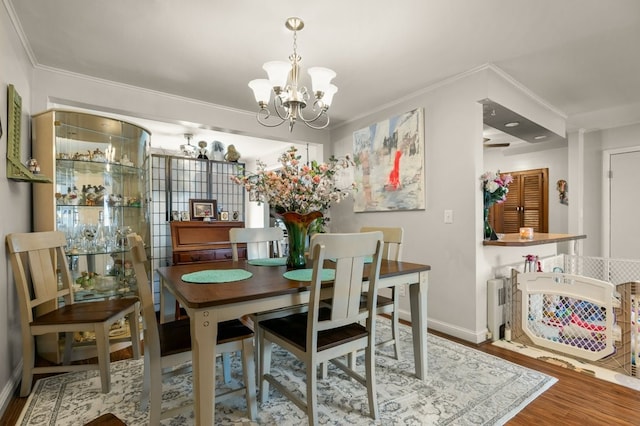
266 281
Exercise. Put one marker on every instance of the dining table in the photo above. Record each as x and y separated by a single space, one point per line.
208 304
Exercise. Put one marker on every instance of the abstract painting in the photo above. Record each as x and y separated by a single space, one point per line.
389 157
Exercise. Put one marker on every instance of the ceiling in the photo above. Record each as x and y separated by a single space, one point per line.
580 56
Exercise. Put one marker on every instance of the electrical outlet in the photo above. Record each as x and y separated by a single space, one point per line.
448 216
402 290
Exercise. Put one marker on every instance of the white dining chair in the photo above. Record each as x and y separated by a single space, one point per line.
323 334
389 305
38 260
168 345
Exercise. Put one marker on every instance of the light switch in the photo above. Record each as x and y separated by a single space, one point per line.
448 216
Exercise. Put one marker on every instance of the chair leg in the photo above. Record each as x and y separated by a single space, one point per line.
28 359
134 330
146 381
154 367
395 327
249 377
226 367
395 331
324 370
102 346
312 394
265 368
371 380
256 346
68 347
351 360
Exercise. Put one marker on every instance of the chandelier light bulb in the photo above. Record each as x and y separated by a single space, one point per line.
321 78
261 90
278 72
328 95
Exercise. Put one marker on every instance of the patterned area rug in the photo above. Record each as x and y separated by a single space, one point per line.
464 387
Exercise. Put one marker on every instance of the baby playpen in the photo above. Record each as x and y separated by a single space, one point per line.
585 307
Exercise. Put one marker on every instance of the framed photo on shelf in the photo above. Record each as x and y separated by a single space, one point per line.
202 208
224 215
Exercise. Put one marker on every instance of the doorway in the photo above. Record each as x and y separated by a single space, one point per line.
621 234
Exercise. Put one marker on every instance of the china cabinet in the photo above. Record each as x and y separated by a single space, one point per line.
99 194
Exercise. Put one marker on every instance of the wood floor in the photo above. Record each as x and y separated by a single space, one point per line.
575 399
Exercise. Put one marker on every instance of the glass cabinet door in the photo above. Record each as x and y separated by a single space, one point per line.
99 192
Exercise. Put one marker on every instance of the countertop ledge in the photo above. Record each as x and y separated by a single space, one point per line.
514 240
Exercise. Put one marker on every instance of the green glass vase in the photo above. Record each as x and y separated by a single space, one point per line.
297 228
489 234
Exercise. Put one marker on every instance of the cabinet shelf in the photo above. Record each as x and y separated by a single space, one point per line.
98 206
91 167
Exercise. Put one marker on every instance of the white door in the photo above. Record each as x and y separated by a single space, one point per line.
624 184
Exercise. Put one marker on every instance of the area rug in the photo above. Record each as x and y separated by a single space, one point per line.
464 387
590 369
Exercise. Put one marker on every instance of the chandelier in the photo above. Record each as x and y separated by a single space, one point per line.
289 97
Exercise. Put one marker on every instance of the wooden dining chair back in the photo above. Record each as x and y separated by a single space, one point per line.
39 262
168 345
393 238
325 333
261 242
389 303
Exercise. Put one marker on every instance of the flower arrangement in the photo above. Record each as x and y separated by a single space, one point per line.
296 186
495 187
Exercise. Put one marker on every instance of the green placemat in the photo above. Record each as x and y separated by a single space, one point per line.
367 259
305 274
272 261
212 276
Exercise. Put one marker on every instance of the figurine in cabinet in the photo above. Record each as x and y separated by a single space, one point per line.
202 152
115 200
72 197
125 161
218 151
232 155
89 195
98 156
80 156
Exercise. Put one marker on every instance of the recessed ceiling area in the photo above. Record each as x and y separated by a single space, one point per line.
505 120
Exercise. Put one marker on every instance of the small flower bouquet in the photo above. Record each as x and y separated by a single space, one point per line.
495 187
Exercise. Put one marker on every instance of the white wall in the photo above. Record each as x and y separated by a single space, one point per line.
594 144
15 209
454 162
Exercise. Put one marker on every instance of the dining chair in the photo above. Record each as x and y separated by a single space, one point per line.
322 334
168 345
39 262
389 305
261 243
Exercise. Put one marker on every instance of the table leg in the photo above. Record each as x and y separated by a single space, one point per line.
418 301
167 304
204 333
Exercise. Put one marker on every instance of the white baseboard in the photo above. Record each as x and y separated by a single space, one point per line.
452 330
10 387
